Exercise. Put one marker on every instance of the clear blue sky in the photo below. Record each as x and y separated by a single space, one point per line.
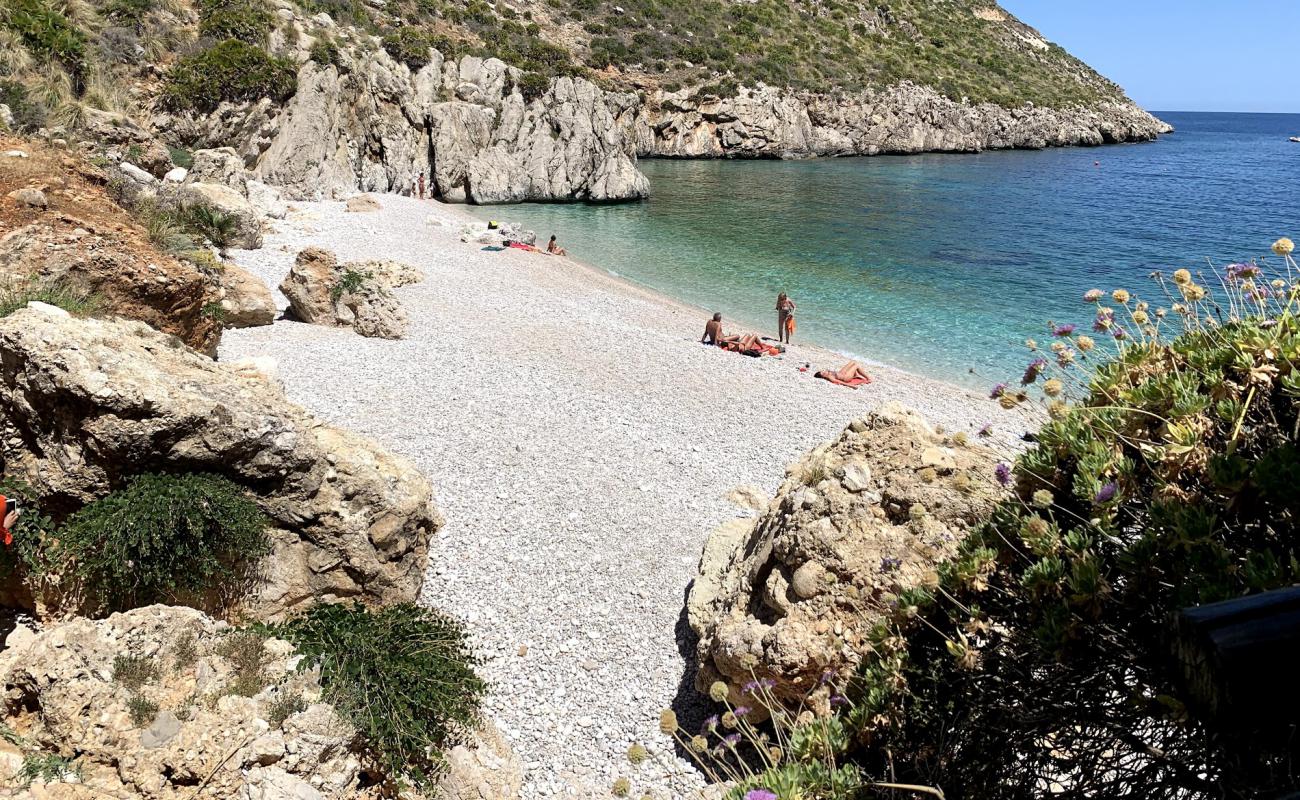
1182 55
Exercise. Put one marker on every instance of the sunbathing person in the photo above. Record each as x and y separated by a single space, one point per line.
851 374
713 331
554 248
749 344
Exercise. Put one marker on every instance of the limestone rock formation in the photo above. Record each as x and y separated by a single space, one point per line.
766 122
465 124
67 695
70 691
362 203
245 299
86 243
792 595
86 404
324 292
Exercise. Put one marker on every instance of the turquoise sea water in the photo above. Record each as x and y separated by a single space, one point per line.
944 263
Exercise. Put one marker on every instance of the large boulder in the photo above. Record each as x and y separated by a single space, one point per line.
87 404
246 301
791 596
324 292
70 691
221 166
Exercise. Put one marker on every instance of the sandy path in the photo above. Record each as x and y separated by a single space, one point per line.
580 442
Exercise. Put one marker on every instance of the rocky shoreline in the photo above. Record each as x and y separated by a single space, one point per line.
372 123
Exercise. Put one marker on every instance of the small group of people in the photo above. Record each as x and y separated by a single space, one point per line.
417 186
851 374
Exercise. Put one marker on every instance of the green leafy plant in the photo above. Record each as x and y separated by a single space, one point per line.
164 538
47 768
351 281
403 675
29 114
232 71
217 227
411 44
325 52
181 157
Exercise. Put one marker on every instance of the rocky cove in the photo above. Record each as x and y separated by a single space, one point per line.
372 123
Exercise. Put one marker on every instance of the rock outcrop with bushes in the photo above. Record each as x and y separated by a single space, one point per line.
1119 621
165 703
79 246
87 405
358 295
791 595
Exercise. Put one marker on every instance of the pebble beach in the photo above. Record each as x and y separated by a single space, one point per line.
581 443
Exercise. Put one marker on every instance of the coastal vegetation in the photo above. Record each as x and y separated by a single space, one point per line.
1164 478
403 675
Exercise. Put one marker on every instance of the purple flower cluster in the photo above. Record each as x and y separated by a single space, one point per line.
1092 295
890 563
1242 271
760 794
1003 473
1119 333
710 724
1106 493
837 700
1063 330
1105 317
754 687
1032 371
998 391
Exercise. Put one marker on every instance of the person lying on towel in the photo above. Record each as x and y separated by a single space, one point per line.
749 344
851 374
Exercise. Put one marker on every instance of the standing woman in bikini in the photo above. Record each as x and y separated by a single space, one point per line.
784 309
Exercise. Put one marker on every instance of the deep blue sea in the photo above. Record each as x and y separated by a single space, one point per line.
943 264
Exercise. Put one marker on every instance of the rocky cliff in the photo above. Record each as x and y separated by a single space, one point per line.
553 101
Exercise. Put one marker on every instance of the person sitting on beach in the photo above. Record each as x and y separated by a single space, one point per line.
713 331
554 248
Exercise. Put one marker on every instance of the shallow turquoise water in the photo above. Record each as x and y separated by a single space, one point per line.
943 264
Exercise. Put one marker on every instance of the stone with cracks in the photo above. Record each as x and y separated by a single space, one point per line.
792 595
87 404
319 292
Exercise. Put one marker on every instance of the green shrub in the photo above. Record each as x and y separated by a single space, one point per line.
285 705
232 71
217 227
28 113
47 768
248 21
410 45
164 538
130 13
1169 482
142 710
403 675
181 157
48 33
533 85
133 672
325 51
351 281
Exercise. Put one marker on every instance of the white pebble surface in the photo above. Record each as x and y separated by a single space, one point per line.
580 442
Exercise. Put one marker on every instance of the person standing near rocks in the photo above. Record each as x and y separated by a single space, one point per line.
421 184
784 317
